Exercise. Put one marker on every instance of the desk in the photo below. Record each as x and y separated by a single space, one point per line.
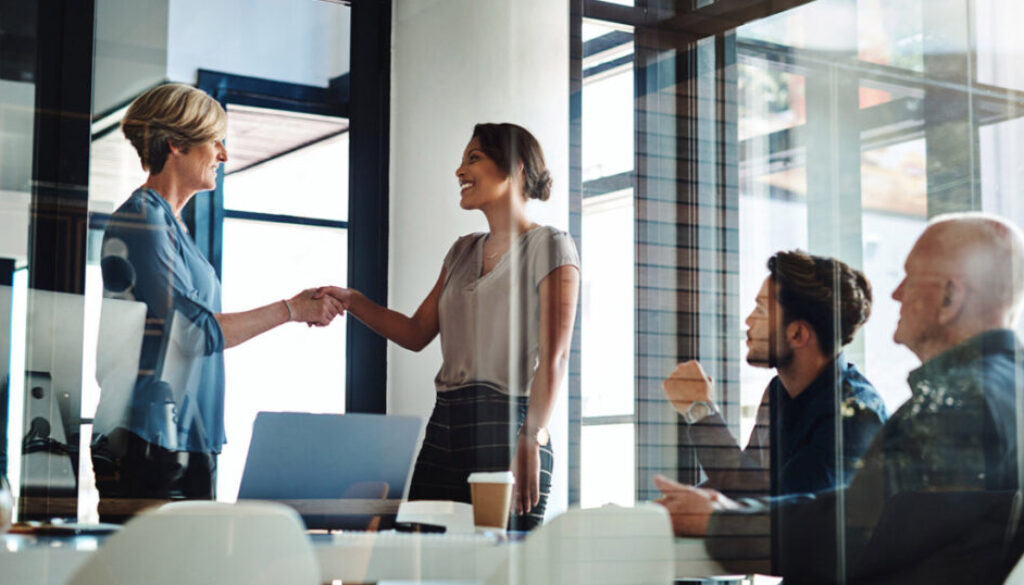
349 557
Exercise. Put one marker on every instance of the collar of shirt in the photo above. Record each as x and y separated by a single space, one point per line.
990 342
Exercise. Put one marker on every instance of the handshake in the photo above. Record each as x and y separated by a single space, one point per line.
319 306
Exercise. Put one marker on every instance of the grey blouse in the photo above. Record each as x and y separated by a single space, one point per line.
486 338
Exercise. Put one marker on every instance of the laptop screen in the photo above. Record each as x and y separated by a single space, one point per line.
303 456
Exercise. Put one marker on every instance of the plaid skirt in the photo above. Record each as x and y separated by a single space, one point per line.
474 429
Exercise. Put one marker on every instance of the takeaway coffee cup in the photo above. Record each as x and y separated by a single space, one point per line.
492 498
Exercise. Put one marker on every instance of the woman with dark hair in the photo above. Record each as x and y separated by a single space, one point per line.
504 305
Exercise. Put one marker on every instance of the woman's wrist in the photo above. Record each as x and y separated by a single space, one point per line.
356 302
535 433
291 313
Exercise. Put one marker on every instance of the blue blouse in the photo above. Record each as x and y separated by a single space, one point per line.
178 398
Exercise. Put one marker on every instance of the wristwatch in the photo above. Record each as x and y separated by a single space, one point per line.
697 411
538 434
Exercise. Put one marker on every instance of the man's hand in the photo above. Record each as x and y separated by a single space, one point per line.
687 384
690 507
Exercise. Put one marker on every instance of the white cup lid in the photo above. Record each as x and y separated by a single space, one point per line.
492 477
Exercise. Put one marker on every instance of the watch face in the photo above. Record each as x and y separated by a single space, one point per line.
697 411
542 436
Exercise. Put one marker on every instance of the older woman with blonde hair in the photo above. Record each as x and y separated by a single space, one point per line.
162 439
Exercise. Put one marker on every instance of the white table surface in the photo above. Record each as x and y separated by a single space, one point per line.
349 557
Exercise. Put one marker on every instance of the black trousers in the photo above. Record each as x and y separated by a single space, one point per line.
474 429
149 471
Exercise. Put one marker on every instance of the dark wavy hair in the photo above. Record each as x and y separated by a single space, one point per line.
814 289
508 145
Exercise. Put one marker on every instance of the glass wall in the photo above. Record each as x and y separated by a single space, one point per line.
274 222
834 127
708 143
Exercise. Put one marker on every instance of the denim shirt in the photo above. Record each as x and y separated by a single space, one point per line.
178 398
932 499
792 448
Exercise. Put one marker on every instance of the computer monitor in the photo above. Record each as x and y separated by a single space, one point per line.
48 334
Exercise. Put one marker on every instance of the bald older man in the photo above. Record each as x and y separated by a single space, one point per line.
936 499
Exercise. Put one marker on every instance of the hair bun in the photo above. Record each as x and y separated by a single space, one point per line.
541 187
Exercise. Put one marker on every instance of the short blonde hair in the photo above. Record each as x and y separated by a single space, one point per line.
171 114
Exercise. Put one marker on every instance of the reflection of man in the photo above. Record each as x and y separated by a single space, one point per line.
932 502
808 308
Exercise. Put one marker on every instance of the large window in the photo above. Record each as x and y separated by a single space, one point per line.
608 442
285 229
277 223
836 127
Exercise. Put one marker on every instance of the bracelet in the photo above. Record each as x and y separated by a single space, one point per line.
288 306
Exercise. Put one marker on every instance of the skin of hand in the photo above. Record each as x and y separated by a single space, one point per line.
687 384
690 507
413 333
321 311
526 464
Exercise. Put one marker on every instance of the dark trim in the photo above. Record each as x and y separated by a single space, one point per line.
106 131
609 184
370 83
296 148
608 12
98 220
277 95
688 25
60 161
18 40
281 218
605 42
624 61
6 279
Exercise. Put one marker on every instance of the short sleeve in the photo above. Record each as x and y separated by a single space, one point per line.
458 252
554 248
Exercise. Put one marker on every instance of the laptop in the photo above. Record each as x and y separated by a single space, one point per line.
339 471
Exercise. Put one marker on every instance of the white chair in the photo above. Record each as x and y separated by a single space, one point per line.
600 546
206 543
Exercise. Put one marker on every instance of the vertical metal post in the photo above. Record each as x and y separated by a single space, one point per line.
366 379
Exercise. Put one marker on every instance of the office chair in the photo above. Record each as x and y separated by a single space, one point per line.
599 546
205 543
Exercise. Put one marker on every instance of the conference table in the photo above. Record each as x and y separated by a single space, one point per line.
349 557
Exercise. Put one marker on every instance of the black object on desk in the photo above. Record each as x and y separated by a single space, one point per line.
419 527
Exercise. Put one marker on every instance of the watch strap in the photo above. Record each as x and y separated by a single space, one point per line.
698 411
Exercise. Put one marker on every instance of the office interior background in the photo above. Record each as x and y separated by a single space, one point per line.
688 140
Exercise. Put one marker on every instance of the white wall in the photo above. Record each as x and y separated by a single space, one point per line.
297 41
456 63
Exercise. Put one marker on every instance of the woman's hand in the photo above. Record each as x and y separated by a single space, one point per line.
316 309
526 468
